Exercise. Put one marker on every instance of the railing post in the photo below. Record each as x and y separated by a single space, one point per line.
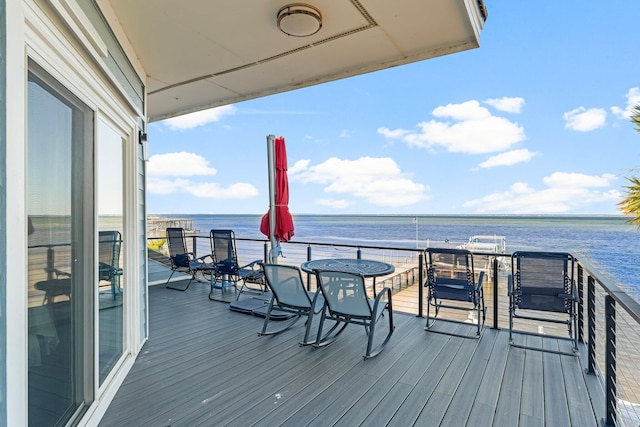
610 359
359 254
495 293
308 274
51 262
591 312
194 246
265 250
420 283
580 330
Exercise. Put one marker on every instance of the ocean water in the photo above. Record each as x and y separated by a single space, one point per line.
607 242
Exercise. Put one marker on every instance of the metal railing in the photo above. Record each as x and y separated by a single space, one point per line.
608 318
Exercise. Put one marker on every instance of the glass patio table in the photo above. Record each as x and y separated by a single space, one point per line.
366 267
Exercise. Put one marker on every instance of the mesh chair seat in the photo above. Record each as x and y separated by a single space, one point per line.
543 282
181 258
227 271
346 302
451 277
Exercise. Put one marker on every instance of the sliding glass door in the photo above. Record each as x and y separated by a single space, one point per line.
61 251
111 277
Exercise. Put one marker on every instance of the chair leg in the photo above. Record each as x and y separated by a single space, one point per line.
431 301
373 353
286 326
330 336
173 287
511 320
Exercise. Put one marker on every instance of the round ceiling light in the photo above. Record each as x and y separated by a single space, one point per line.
299 20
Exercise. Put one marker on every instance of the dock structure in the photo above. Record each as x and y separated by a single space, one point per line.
157 225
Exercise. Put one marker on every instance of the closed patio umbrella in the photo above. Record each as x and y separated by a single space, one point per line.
280 229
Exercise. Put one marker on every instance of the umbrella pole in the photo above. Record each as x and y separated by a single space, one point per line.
271 163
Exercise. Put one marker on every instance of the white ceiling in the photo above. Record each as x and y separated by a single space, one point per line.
204 53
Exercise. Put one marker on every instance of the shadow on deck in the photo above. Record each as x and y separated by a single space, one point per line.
205 365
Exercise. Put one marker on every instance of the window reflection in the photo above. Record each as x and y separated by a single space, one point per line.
60 141
111 277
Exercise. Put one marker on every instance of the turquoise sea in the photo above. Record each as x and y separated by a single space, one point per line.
607 242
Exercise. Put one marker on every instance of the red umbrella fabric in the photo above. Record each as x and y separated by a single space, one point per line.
284 222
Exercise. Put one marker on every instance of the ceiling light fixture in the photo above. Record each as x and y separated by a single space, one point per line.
299 20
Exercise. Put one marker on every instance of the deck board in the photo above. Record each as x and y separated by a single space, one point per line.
532 407
205 365
555 400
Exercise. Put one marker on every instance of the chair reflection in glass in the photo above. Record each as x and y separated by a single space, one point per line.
109 245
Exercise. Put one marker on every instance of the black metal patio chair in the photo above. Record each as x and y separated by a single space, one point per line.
181 259
227 272
543 282
452 284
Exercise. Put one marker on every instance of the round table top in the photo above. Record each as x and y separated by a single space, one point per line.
366 267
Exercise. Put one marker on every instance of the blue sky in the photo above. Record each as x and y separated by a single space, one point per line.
535 121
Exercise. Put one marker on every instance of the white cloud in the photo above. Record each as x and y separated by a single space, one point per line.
506 104
208 190
392 134
165 186
378 181
298 166
178 164
346 133
474 130
508 158
199 118
183 164
212 190
583 120
633 99
334 203
565 192
578 180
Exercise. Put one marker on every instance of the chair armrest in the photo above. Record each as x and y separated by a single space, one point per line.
252 264
386 290
203 257
57 272
568 296
318 295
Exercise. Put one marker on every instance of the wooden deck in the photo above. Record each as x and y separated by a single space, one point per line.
204 365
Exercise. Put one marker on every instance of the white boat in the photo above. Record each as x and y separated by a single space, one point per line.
488 244
485 243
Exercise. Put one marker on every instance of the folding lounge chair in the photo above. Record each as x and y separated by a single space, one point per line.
346 301
109 244
288 295
543 281
227 272
451 284
181 258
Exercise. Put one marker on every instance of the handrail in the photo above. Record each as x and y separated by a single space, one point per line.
626 302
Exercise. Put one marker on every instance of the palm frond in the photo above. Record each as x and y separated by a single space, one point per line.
630 205
635 117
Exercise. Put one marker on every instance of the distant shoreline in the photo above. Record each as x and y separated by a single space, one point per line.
411 216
